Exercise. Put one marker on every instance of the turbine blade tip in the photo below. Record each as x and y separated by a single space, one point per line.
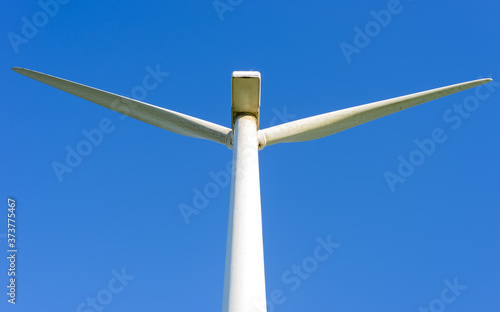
20 70
484 80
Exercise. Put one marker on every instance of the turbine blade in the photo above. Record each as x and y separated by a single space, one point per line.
154 115
326 124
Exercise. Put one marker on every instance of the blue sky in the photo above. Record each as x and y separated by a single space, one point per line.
111 229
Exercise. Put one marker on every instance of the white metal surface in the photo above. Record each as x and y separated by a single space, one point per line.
327 124
244 281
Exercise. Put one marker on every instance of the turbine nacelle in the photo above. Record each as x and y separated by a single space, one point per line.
245 95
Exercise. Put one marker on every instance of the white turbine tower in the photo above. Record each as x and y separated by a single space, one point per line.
244 282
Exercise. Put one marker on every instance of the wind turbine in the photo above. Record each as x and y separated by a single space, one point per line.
244 282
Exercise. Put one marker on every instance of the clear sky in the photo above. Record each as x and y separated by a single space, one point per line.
399 214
